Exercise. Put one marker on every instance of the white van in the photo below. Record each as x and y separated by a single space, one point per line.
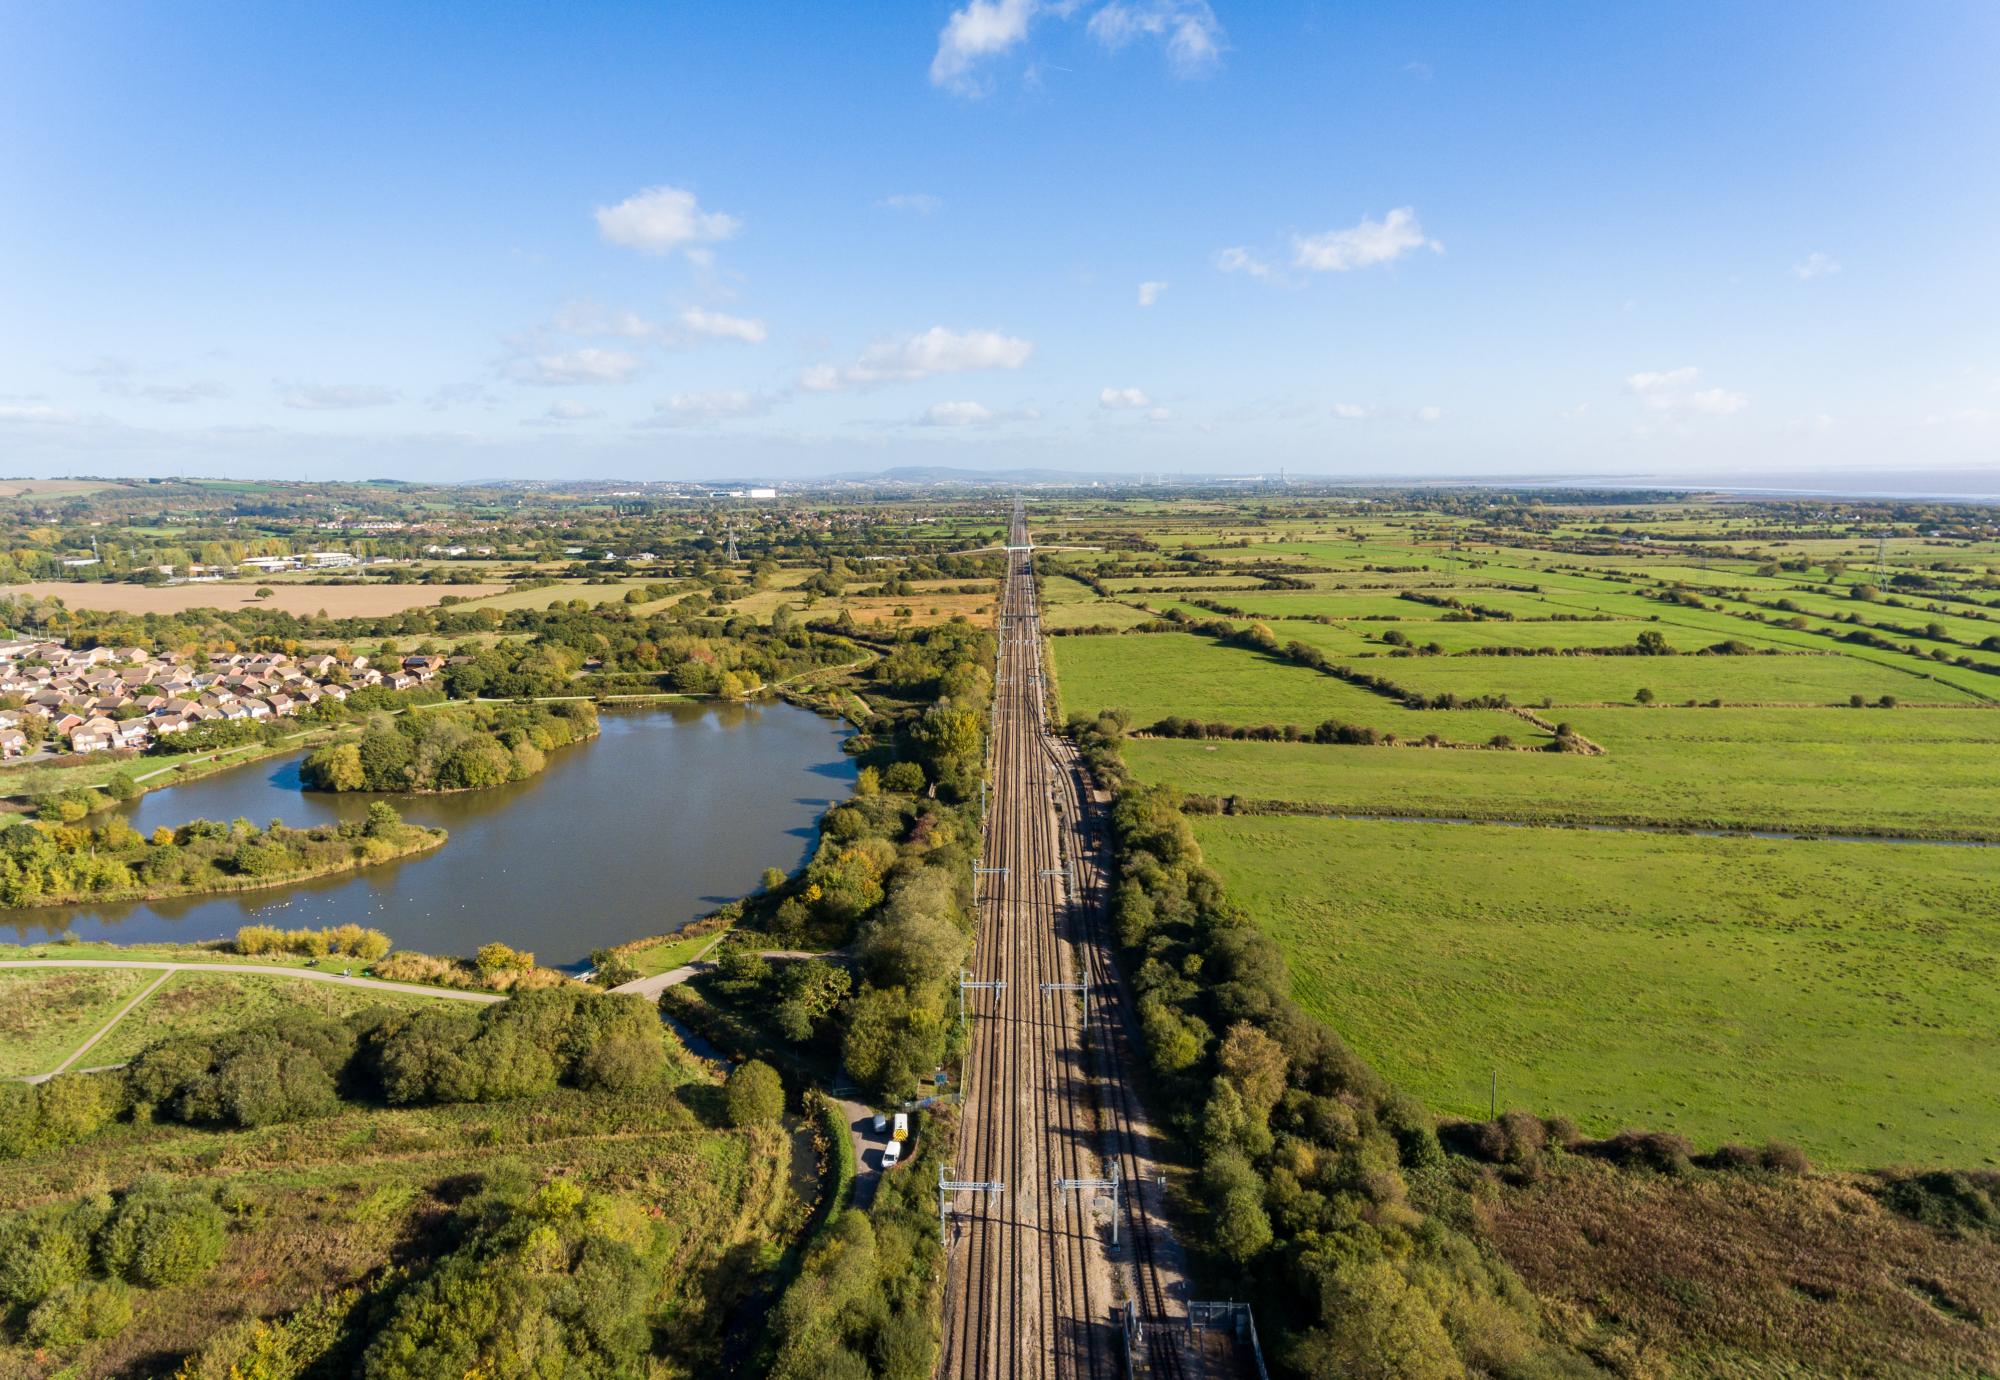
891 1153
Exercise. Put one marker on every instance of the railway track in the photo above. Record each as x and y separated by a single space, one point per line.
1036 1287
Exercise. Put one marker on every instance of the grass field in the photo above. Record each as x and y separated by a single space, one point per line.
47 1012
338 601
207 1003
1747 1275
1902 771
1738 988
1157 675
1574 680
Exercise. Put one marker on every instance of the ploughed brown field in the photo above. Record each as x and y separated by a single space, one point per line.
339 601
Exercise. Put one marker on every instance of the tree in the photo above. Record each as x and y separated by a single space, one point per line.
336 767
753 1095
1644 696
904 776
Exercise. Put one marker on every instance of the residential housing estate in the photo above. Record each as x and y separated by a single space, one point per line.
97 698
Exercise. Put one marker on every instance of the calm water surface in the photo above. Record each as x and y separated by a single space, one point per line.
666 814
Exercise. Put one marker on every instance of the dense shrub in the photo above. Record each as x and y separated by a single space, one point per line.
753 1094
85 1311
517 1048
553 1280
162 1234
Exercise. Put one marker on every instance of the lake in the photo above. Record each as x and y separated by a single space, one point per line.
666 814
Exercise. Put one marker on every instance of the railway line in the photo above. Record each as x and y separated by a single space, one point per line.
1037 1287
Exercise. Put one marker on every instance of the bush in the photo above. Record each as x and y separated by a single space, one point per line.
753 1095
81 1312
162 1235
47 1249
610 968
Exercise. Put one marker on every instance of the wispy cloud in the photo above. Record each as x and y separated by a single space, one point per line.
1186 30
1238 259
37 414
938 350
706 408
1815 265
918 203
1673 390
564 368
335 397
1364 245
1123 399
982 30
1351 412
661 220
716 325
1149 293
564 413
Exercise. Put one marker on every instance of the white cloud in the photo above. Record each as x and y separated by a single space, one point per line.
983 29
567 411
1149 293
587 365
920 203
1428 414
694 409
1673 390
1159 414
1351 412
1663 383
587 318
1121 399
1420 70
973 414
37 413
194 391
935 351
715 325
660 220
958 414
1188 28
1238 259
1717 402
311 397
1815 265
1364 245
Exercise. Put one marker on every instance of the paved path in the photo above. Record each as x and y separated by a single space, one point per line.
270 970
674 977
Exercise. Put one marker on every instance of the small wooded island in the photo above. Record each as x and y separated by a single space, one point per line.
54 863
456 748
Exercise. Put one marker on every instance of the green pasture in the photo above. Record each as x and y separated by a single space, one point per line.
1839 996
1157 675
1920 772
1580 680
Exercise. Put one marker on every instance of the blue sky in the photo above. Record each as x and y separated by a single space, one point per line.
355 240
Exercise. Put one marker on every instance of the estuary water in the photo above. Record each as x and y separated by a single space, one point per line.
666 814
